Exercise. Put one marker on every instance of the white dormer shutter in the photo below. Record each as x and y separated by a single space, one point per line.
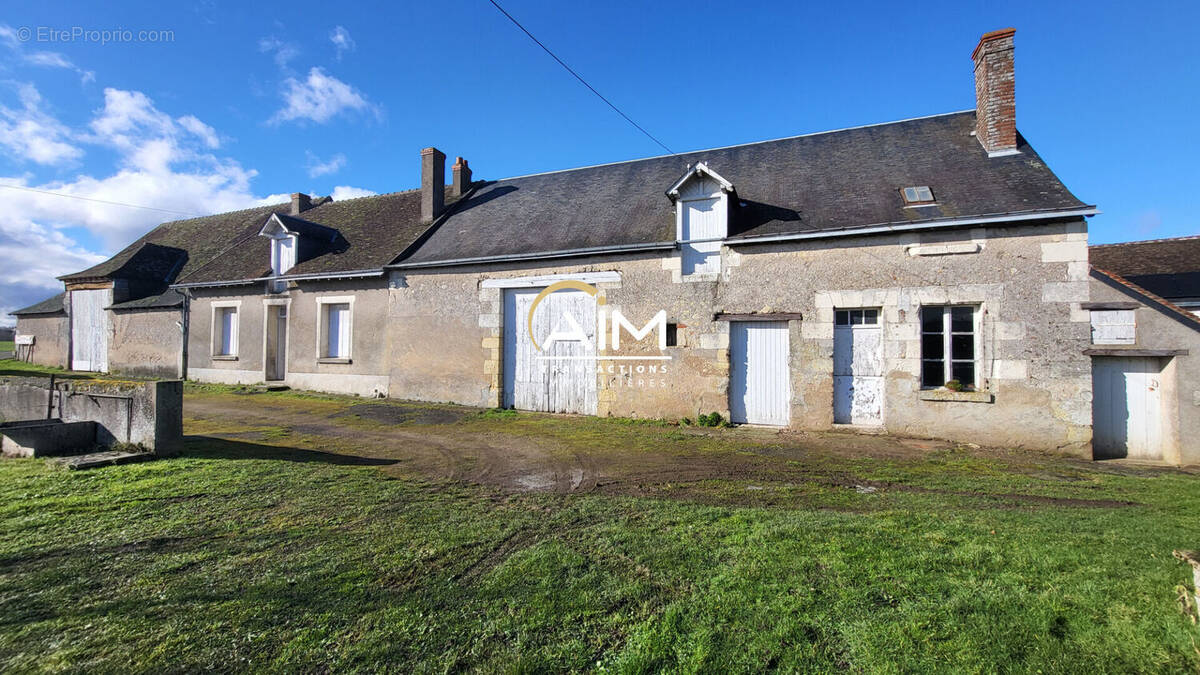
283 254
702 219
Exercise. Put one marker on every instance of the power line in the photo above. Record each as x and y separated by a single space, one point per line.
91 199
580 78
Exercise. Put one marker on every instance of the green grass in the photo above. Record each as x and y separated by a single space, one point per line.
248 556
6 345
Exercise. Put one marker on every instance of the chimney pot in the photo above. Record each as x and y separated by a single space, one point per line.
461 181
995 92
433 183
300 203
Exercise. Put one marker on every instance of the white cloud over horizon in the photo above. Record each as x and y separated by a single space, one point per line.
162 161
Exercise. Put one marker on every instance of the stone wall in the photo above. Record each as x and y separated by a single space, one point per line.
146 343
51 338
1028 281
364 373
1160 329
149 414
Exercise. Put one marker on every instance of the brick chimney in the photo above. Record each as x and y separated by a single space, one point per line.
300 203
461 180
995 96
433 183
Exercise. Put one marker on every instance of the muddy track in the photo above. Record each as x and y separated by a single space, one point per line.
409 440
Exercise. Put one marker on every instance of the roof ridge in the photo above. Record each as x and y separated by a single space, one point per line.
355 199
220 213
736 145
1147 241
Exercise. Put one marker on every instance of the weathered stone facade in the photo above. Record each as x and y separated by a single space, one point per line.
1028 280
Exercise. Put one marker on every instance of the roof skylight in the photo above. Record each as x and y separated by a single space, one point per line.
919 194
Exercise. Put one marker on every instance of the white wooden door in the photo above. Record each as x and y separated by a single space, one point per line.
89 329
702 221
857 368
759 377
1126 407
560 377
281 319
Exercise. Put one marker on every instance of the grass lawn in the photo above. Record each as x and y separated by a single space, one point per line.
279 552
6 345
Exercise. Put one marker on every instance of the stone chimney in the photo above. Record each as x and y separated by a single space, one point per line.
433 183
300 203
461 181
995 92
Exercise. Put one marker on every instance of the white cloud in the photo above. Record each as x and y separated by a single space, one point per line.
43 59
283 52
163 162
30 134
318 168
200 129
343 192
318 99
340 37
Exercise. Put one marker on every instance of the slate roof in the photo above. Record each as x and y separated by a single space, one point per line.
1166 267
52 305
826 182
166 299
1187 317
186 244
374 230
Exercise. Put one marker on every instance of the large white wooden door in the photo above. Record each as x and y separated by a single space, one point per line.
857 368
89 329
1126 407
562 376
759 377
702 221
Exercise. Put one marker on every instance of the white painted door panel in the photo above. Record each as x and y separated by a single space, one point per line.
550 380
1127 407
759 378
701 220
89 329
858 375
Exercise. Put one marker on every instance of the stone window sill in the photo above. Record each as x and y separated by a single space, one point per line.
333 360
957 396
224 357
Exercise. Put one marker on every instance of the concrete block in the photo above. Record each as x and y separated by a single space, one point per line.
1010 330
1064 251
489 320
816 330
1077 271
1010 369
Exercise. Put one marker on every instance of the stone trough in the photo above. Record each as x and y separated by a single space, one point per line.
44 417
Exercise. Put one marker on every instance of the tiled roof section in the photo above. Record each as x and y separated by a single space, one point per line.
52 305
200 239
1190 318
164 300
824 182
1167 267
373 230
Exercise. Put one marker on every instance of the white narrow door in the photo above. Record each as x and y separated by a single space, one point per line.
1126 408
759 378
281 344
702 221
559 377
89 329
857 368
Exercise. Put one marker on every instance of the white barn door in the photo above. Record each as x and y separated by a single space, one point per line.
759 378
557 379
857 368
89 329
1126 408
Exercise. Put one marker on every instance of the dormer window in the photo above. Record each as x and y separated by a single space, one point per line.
702 199
294 241
283 254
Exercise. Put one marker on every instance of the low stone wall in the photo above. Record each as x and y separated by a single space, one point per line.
149 414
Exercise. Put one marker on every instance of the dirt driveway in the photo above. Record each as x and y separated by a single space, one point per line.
530 452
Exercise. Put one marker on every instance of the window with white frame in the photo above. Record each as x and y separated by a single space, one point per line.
1113 327
948 345
336 324
225 330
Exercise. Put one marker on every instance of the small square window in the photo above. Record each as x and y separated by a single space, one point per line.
920 194
841 317
672 335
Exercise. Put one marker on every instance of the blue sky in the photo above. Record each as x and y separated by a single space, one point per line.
248 101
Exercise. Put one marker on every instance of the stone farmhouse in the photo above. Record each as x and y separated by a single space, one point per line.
926 277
